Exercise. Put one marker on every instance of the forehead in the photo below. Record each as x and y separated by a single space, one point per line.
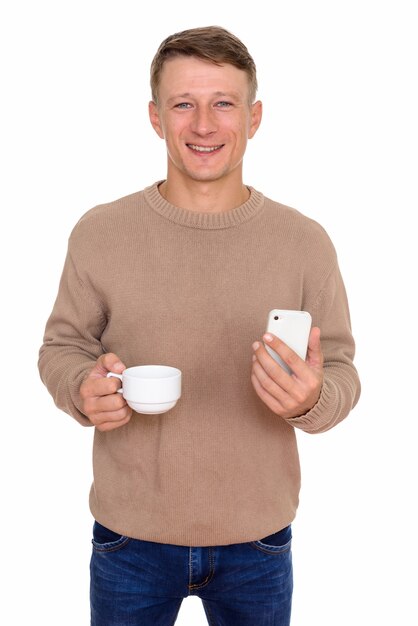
185 74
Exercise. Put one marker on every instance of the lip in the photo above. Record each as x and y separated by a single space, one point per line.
218 148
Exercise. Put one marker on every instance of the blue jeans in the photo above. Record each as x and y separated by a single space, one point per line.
141 583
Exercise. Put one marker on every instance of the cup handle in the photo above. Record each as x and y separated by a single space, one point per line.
112 375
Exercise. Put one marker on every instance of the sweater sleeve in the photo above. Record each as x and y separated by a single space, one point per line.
341 387
71 341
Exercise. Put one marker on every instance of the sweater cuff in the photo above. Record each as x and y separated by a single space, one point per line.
74 402
326 413
71 403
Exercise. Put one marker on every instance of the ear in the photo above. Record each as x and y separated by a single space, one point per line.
256 115
155 119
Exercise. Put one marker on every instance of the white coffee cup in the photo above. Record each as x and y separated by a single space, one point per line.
150 389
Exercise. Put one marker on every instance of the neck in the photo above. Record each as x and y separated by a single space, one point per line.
204 197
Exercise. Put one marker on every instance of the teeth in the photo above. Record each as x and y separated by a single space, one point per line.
203 148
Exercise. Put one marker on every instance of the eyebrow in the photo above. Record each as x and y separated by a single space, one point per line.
217 94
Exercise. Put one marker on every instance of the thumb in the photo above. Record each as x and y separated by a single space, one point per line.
106 363
314 357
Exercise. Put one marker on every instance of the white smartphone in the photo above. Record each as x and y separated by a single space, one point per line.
292 327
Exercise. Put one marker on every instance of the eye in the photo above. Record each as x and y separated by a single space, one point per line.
223 104
183 105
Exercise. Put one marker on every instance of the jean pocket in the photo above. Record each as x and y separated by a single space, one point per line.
278 543
105 540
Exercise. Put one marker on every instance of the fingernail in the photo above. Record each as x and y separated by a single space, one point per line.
268 337
256 345
254 357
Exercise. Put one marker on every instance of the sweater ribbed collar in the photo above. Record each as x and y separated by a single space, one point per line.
208 221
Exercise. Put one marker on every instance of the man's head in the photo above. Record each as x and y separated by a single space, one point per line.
211 43
204 85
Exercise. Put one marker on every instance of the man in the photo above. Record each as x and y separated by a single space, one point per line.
198 500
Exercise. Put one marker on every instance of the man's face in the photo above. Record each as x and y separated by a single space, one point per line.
205 117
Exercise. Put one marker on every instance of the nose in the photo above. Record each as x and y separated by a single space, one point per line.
203 122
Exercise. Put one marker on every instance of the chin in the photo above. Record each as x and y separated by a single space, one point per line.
205 177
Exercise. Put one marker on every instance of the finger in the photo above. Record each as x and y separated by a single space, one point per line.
105 424
272 403
104 404
97 387
106 363
268 383
315 357
272 368
289 356
98 418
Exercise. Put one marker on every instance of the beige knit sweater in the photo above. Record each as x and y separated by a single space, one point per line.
154 283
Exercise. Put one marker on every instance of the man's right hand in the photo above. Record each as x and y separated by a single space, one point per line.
105 408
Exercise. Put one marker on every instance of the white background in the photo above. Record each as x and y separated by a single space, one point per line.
339 142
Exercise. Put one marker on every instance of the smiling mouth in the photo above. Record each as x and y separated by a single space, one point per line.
205 149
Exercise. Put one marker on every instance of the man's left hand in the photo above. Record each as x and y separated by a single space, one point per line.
288 395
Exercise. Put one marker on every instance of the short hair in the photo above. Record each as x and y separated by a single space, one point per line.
210 43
